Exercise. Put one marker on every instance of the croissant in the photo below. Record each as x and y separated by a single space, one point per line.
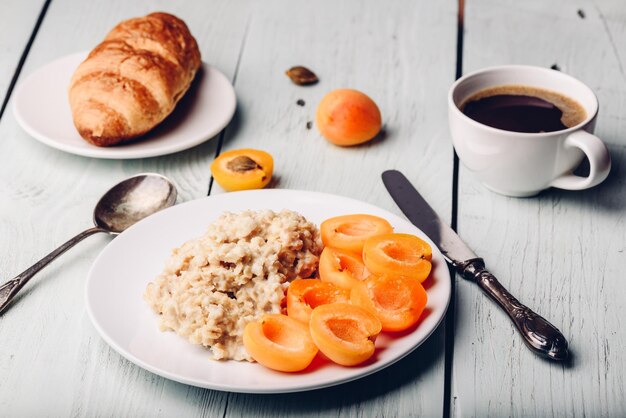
132 80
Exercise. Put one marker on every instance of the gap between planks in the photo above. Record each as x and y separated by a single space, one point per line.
451 314
22 60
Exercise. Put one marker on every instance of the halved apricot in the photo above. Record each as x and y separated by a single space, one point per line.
243 169
280 343
344 333
340 268
349 232
396 300
303 295
400 254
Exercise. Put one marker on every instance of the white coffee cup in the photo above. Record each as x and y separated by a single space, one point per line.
523 164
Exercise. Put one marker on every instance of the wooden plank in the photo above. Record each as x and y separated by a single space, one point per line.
561 252
16 27
402 54
52 361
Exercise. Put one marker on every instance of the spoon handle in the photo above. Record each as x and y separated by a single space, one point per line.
9 289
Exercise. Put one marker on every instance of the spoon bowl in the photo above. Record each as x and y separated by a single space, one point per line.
133 199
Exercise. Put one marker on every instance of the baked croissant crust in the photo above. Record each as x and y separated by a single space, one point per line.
131 81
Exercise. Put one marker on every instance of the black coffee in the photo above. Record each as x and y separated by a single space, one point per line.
523 109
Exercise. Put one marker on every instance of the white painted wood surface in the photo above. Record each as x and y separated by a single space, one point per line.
562 253
17 20
52 361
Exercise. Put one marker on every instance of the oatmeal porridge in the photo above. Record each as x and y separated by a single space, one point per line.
212 286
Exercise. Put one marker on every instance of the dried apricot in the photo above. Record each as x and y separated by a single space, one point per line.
344 333
243 169
280 343
348 117
340 268
349 232
399 254
303 295
396 300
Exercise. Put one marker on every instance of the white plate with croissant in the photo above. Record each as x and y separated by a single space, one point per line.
42 108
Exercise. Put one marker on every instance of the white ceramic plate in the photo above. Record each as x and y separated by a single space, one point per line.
118 278
42 108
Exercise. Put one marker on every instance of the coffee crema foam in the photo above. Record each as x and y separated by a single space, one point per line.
573 112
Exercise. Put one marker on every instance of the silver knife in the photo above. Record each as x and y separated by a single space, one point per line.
539 335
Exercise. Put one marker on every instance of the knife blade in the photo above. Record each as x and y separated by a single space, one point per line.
419 212
539 335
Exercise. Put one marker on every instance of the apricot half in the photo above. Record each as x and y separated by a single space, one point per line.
303 295
349 232
399 254
396 300
344 333
348 117
243 169
280 343
340 268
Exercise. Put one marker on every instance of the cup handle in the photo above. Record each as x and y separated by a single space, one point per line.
599 162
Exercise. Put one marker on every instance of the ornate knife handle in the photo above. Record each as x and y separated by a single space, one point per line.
539 335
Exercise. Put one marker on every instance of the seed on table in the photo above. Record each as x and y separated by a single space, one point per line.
302 76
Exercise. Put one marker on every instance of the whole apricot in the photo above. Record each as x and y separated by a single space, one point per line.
348 117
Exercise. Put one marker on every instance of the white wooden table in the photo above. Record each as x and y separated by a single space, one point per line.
562 253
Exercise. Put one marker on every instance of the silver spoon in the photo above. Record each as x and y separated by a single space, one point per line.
122 206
